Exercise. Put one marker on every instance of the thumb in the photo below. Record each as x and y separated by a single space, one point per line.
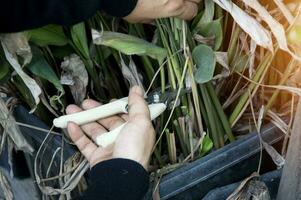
137 104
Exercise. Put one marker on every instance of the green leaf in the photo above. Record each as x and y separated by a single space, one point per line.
214 29
206 146
4 70
196 21
240 62
129 45
294 35
79 38
40 67
62 52
205 60
24 91
206 16
48 35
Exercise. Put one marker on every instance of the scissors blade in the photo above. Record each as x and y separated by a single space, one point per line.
167 97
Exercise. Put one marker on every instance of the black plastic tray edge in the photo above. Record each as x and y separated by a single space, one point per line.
269 134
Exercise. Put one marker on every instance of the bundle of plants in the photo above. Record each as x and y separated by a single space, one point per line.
239 60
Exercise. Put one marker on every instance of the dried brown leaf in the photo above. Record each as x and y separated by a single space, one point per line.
294 80
131 74
253 47
5 186
276 157
76 76
250 25
236 194
223 60
17 45
276 28
9 124
278 121
285 11
251 188
29 82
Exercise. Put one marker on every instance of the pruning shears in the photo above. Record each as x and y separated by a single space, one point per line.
157 100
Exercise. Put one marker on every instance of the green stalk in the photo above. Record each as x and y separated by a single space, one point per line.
262 69
284 78
108 75
150 72
170 137
220 130
170 57
159 158
233 43
196 99
139 31
221 114
216 120
173 61
204 115
211 121
94 74
180 136
219 13
162 77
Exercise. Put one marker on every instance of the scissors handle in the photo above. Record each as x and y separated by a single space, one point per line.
100 112
109 138
104 111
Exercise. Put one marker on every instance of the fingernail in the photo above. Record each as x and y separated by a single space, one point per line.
136 89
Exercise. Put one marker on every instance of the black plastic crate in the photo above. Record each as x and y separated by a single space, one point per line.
222 167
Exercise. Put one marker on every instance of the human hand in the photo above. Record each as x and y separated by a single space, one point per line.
148 10
135 141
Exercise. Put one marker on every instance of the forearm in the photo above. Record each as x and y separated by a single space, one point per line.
18 15
117 179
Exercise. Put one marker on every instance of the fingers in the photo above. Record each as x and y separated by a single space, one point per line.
83 143
92 129
137 138
147 10
109 123
184 9
137 105
189 10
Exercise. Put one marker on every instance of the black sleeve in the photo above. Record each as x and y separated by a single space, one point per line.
19 15
117 179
